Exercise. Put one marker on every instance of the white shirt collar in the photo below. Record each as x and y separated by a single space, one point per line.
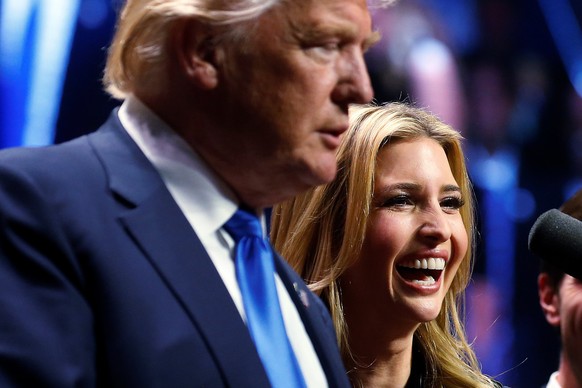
205 199
553 382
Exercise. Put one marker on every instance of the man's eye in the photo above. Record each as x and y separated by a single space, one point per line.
330 46
326 50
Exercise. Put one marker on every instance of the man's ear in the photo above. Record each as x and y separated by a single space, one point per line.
196 53
549 300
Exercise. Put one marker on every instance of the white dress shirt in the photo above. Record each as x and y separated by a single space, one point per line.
208 203
553 382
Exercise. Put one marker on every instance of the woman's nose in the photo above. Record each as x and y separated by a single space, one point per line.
435 225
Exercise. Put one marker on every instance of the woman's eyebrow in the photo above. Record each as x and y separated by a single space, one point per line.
451 188
403 186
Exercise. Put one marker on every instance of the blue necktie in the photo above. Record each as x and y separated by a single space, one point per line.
255 274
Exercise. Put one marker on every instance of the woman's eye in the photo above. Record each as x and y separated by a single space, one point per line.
452 203
398 201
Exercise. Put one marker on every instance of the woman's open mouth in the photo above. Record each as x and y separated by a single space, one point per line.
424 272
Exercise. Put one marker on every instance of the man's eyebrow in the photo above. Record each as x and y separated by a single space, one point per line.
321 30
371 40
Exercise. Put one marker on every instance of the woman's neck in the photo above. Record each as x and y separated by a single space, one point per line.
380 361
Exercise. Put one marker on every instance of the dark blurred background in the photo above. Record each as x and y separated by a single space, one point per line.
507 74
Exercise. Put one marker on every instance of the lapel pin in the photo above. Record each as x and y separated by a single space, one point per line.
302 294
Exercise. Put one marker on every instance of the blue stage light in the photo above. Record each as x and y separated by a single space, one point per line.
567 35
35 42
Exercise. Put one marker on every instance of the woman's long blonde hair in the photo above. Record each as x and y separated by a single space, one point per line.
322 231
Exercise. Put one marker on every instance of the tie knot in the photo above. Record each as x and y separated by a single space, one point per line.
244 223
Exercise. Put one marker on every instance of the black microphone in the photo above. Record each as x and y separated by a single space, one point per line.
557 238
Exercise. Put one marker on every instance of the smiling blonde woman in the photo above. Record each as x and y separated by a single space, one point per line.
388 246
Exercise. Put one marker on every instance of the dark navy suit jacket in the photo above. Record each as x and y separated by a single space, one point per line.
104 283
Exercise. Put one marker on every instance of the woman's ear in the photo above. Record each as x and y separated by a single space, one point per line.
195 53
549 299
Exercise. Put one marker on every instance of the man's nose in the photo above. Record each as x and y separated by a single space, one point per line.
354 86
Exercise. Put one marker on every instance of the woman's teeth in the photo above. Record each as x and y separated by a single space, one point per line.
431 263
428 281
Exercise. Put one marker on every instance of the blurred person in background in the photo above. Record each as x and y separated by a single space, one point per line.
561 302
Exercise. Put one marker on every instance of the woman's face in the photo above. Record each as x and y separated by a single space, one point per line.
415 238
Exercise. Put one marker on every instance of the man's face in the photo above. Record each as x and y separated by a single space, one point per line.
286 96
562 306
570 307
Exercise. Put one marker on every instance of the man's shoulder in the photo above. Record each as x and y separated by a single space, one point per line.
69 155
38 161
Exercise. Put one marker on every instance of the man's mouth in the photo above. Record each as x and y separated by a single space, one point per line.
332 138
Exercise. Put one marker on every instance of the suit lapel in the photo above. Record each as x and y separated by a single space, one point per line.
169 242
316 322
159 228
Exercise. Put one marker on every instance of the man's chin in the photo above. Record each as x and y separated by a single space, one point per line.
323 174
